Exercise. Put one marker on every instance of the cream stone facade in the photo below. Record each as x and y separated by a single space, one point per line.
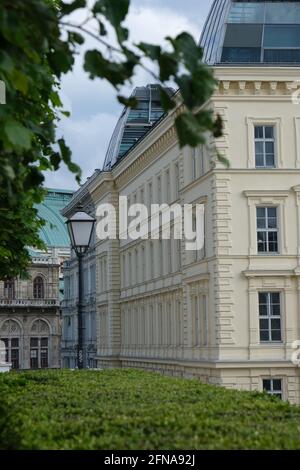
162 308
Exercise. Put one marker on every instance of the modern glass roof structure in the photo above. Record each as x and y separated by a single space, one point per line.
133 124
252 32
54 232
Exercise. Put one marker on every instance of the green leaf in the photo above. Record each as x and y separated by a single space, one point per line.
64 150
66 157
218 127
130 102
20 81
167 102
188 129
168 65
150 50
115 11
223 160
6 62
55 160
187 49
75 38
115 73
17 134
55 99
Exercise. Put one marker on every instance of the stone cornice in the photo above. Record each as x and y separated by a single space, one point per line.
268 273
101 186
267 83
266 193
270 74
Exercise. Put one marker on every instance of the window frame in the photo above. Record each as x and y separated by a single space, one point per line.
269 317
268 230
39 287
9 289
251 122
264 140
273 392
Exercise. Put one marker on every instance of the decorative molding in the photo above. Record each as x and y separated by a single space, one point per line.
251 121
249 273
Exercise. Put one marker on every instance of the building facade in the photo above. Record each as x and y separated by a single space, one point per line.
30 324
228 314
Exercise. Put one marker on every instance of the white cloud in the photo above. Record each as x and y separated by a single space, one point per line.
93 103
153 25
88 139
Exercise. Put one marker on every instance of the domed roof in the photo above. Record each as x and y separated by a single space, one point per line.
133 124
54 232
241 32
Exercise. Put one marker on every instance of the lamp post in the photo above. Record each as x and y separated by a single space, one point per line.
80 228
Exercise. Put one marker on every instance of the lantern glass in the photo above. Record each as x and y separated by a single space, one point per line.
80 227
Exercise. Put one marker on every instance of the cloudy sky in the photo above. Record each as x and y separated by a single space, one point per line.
93 105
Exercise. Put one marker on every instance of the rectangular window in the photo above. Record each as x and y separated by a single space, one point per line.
12 352
129 270
246 12
161 257
158 189
169 255
197 321
150 194
9 289
160 325
137 278
151 260
282 36
124 270
34 358
44 353
204 323
273 387
264 146
269 317
143 264
168 187
194 164
237 55
243 35
287 56
179 325
283 12
267 229
177 183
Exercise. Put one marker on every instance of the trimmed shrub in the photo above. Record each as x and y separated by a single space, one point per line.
131 409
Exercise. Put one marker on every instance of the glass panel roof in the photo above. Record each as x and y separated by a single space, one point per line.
235 30
133 124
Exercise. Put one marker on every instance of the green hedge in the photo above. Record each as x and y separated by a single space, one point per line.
130 409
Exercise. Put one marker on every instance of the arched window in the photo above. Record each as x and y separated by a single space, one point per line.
38 288
10 333
39 345
9 289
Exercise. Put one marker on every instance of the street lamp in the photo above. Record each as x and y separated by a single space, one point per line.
80 227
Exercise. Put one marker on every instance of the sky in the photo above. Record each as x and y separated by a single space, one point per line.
93 104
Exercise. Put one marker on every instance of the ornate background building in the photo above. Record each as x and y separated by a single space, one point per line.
230 313
30 308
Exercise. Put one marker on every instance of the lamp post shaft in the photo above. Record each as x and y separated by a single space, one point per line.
80 360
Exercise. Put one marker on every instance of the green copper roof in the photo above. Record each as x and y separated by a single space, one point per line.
54 232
